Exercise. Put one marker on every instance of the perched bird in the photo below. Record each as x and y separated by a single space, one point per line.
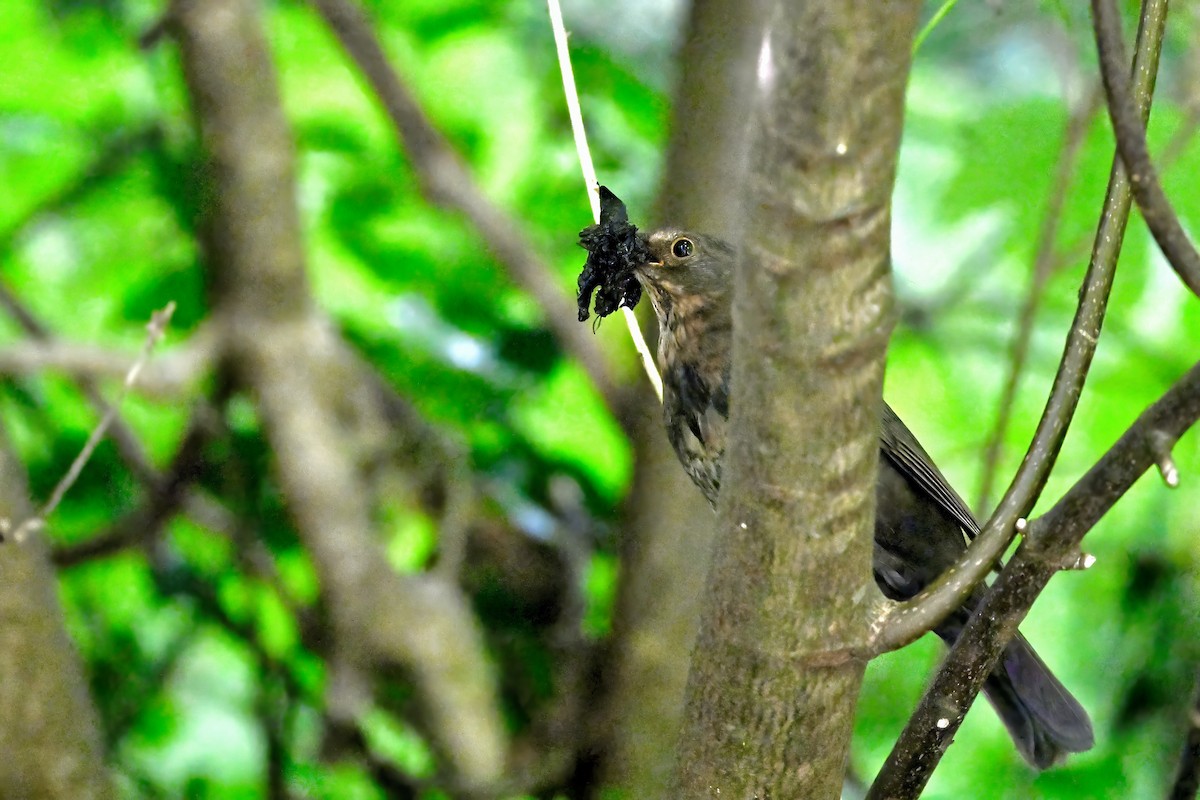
921 522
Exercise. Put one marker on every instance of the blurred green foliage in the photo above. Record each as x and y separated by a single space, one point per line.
97 229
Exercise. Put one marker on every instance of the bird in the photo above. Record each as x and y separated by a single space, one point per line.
921 523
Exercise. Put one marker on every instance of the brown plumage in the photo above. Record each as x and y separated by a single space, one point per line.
921 523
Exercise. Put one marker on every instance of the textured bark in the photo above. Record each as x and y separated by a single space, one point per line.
669 528
320 407
49 737
771 695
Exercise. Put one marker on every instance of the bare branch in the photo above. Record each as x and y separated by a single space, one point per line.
154 331
129 447
170 374
143 525
901 623
1053 537
446 180
932 726
313 396
1129 127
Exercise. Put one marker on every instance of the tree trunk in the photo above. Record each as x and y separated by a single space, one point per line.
49 740
771 695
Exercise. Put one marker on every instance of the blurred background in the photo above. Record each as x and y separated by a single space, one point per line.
542 550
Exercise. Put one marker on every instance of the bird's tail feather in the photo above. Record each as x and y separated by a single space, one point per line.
1044 720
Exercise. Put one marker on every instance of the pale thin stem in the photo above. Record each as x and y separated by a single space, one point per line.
154 331
590 181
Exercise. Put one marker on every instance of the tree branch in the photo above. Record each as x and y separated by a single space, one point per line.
898 624
200 507
1052 539
143 525
170 374
313 396
932 726
446 181
154 331
1130 130
125 440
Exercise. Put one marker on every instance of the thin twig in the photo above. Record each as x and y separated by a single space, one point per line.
937 718
590 181
944 9
1043 268
899 624
142 526
154 331
1130 132
1051 539
128 446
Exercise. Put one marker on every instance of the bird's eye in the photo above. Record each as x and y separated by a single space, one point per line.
682 248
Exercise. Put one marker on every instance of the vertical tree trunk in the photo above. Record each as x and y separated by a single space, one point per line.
771 695
49 738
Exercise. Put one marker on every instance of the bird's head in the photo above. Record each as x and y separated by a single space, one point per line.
686 269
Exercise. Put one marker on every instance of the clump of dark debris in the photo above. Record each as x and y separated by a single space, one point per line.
614 249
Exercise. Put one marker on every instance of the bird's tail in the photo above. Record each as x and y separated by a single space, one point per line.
1044 720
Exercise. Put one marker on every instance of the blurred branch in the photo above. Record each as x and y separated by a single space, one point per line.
143 525
122 719
1043 267
312 394
272 721
200 507
937 718
169 375
1130 130
1187 777
154 331
446 181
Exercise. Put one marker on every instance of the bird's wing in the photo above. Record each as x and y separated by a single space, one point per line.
905 453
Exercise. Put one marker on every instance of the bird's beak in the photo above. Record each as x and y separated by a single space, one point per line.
645 271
